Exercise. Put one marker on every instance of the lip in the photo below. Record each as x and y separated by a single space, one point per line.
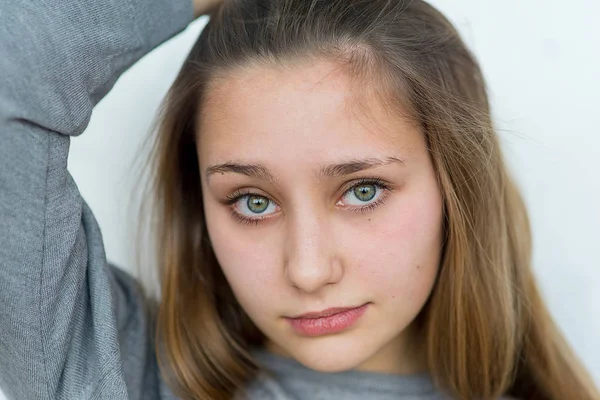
329 321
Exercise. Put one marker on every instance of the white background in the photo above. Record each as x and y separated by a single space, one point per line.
541 59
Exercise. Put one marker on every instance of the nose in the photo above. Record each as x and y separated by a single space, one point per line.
311 261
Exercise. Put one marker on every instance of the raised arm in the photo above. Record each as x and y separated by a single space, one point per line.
68 322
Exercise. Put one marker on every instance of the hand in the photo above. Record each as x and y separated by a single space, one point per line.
202 7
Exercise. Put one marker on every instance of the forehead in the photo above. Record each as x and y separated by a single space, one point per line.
264 87
259 109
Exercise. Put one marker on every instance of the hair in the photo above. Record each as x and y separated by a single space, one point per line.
485 327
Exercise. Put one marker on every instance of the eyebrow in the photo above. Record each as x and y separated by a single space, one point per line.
251 170
352 166
329 171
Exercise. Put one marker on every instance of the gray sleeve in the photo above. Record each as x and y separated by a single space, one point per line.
70 324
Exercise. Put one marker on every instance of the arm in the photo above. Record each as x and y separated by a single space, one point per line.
67 319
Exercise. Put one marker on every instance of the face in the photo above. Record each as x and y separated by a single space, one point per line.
325 216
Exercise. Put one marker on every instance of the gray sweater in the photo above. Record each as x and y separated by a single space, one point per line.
72 326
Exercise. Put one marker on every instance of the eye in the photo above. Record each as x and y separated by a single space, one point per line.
254 206
362 194
365 192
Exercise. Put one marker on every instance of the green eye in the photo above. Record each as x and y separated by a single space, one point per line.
365 192
257 204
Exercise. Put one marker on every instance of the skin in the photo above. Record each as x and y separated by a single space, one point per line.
202 7
313 248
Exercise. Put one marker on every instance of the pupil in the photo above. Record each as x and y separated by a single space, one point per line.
257 204
365 192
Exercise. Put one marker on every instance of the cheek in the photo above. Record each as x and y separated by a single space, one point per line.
245 256
398 255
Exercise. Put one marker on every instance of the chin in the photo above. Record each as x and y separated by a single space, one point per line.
331 354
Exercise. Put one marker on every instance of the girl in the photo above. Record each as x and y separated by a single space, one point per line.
335 219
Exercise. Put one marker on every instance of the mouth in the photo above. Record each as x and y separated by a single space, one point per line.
329 321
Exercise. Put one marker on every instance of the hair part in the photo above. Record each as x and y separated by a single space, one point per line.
486 329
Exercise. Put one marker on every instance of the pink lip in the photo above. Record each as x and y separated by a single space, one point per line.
326 322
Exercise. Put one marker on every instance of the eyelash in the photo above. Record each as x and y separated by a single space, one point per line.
380 183
234 198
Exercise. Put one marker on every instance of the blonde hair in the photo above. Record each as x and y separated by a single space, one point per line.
486 328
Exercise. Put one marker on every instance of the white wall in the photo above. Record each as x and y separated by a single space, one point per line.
542 62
